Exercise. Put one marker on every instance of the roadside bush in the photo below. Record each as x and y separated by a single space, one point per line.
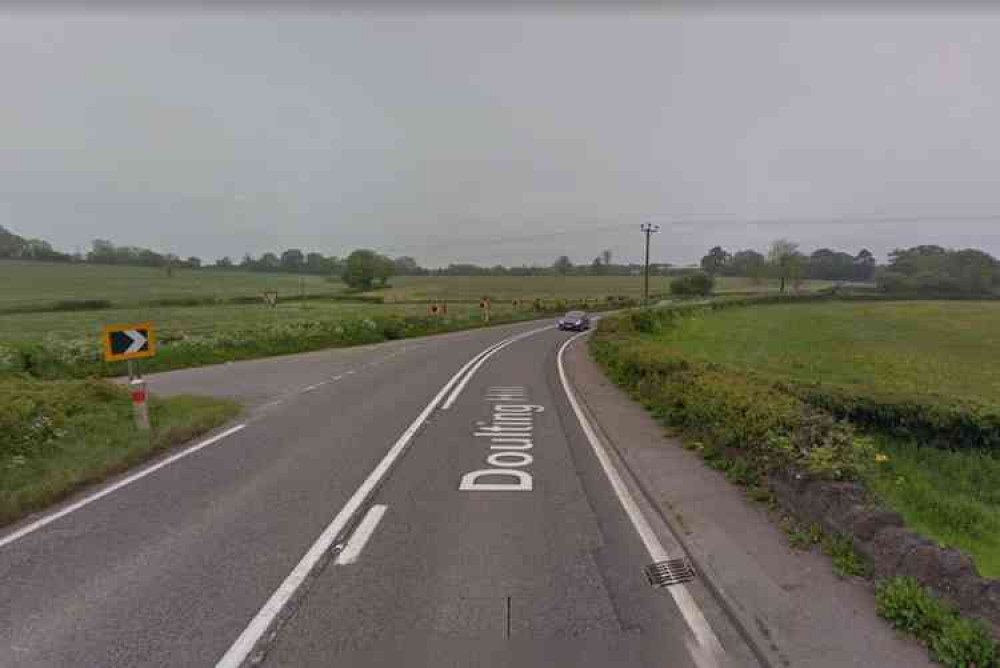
700 284
770 428
33 414
951 426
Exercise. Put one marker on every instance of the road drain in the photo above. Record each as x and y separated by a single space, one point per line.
668 573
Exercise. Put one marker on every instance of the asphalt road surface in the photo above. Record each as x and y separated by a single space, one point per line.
435 502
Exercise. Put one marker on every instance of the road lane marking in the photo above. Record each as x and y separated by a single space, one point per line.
87 500
497 348
709 652
361 535
244 645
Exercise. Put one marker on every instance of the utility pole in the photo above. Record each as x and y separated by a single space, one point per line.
648 229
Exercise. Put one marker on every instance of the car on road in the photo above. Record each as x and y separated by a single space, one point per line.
575 321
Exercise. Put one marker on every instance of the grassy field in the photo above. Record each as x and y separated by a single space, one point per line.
405 288
39 283
179 321
934 349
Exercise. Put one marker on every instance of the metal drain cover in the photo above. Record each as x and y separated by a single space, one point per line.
671 572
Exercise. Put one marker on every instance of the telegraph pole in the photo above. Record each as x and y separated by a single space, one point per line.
648 229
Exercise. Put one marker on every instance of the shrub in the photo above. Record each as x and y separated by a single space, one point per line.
699 284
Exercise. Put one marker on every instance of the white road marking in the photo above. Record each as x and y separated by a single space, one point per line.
361 535
709 651
87 500
497 348
265 617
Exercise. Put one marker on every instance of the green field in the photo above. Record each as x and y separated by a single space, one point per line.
40 283
933 349
423 288
179 321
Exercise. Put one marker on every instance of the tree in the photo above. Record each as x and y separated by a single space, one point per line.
562 265
268 262
101 252
606 257
785 261
224 262
359 269
865 265
700 283
747 263
193 262
384 269
716 260
406 266
293 260
11 245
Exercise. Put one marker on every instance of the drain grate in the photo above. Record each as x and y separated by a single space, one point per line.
671 572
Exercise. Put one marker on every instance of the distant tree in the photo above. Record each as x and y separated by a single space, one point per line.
598 268
11 245
697 284
384 269
606 257
716 260
865 265
748 263
562 265
293 260
785 261
406 266
359 269
224 262
268 262
102 251
193 262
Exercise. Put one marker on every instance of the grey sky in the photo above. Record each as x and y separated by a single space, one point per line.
499 137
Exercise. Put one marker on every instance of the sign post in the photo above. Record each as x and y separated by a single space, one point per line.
130 343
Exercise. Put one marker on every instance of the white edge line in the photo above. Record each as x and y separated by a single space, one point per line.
258 626
87 500
707 640
497 348
361 535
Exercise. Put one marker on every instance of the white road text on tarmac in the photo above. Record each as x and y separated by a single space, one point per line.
510 436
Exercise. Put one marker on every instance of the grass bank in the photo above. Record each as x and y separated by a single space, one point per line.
57 436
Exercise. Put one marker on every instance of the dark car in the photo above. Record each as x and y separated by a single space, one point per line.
575 321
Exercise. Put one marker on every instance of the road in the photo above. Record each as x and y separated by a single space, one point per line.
432 502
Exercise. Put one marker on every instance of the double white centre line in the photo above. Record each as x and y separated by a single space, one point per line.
267 615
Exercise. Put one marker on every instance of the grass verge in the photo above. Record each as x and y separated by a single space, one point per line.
58 436
952 640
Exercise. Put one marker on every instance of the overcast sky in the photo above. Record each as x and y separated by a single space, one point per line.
501 137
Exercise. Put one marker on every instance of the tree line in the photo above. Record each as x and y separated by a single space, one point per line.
927 269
